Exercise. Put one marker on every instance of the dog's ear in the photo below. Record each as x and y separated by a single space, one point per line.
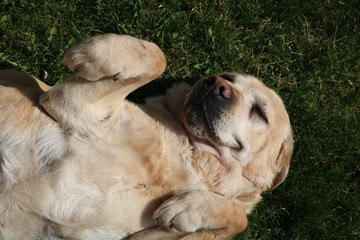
283 162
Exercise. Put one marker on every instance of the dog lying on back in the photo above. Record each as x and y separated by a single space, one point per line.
79 161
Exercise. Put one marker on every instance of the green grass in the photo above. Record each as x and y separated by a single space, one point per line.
308 51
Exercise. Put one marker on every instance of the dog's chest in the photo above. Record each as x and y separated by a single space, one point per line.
133 176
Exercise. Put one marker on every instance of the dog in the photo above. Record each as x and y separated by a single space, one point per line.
79 161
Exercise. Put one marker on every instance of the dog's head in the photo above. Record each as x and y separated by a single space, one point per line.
243 122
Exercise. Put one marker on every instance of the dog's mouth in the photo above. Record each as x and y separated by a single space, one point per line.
207 102
207 144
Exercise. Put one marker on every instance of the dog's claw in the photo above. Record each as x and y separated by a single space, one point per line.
172 226
117 76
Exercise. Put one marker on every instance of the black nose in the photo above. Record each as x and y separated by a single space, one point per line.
218 87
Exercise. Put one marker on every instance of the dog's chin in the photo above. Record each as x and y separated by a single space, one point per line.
197 124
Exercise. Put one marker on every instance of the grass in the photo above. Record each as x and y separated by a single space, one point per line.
308 51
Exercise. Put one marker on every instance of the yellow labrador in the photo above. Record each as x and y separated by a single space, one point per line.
88 164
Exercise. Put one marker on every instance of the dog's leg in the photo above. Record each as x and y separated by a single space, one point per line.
168 234
202 214
196 215
106 69
216 234
156 234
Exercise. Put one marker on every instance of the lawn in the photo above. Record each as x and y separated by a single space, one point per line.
308 51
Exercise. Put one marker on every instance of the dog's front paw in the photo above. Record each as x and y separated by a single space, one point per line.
190 211
116 56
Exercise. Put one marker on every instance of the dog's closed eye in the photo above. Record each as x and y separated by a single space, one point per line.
258 111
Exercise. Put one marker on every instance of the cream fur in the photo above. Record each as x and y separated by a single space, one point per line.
95 166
